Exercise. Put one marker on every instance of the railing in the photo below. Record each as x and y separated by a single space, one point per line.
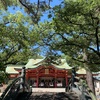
18 85
81 85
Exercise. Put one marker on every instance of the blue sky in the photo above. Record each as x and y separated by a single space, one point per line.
13 10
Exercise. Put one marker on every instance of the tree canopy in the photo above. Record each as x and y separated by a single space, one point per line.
21 35
75 27
74 30
78 25
34 8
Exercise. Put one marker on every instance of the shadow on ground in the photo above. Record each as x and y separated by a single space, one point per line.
53 96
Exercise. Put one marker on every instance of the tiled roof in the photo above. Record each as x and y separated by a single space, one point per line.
10 69
81 71
33 63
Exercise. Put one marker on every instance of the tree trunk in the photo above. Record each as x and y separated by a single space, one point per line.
89 76
90 81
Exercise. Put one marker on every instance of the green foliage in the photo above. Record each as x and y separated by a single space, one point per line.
16 42
3 77
4 4
77 24
21 39
35 9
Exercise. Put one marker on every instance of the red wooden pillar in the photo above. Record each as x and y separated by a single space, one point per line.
27 74
66 77
55 79
37 80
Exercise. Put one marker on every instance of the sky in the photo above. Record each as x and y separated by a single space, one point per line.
13 10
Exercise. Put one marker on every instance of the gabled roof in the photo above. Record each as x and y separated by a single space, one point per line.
81 71
10 69
62 65
34 63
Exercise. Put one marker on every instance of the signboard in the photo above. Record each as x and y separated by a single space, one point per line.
46 71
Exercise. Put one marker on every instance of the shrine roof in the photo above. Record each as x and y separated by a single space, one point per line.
34 63
81 71
62 65
11 69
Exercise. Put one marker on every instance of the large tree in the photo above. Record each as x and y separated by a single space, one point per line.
19 34
19 31
17 38
21 39
77 30
34 8
77 26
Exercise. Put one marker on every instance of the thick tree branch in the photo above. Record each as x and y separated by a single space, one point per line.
10 53
96 35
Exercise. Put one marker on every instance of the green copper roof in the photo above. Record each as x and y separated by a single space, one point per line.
81 71
33 63
62 65
10 69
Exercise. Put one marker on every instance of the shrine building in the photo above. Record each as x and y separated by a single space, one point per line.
41 74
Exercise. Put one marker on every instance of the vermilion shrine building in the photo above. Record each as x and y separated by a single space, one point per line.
39 74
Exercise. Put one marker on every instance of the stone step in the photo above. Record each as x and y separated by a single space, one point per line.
48 90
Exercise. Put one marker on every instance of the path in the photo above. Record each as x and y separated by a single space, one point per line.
50 96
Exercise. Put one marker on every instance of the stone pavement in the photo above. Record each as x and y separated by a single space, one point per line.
53 96
50 93
2 88
48 90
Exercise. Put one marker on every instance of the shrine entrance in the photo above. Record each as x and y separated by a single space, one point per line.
47 77
46 82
